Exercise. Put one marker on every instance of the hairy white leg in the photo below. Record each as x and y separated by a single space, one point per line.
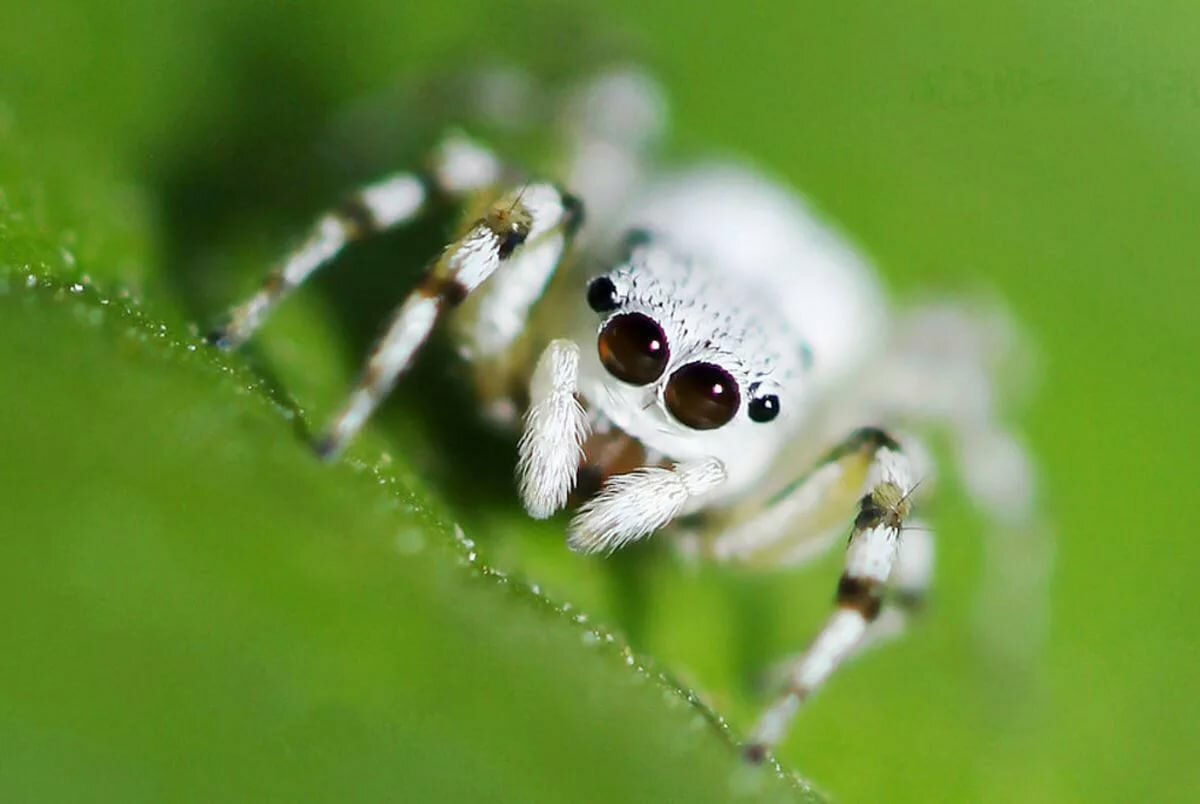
870 559
529 213
612 124
907 586
458 167
906 590
391 202
491 327
556 426
409 329
805 518
942 372
634 505
1013 604
913 573
790 512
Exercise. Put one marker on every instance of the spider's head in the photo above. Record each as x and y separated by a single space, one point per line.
689 366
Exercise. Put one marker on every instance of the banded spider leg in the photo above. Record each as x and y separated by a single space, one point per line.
525 229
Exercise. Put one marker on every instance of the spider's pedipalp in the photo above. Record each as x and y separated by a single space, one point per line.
551 447
634 505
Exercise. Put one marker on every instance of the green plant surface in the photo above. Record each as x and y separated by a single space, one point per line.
197 609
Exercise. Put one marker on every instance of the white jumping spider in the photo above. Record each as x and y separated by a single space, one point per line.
721 361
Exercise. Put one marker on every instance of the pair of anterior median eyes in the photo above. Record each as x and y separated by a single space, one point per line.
633 348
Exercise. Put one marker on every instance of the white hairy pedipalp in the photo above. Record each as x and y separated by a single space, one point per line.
634 505
551 447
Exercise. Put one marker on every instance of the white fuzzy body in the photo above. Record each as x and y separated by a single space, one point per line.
741 274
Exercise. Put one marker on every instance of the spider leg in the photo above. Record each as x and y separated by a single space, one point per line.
612 125
871 557
803 520
942 373
458 167
906 591
907 588
530 224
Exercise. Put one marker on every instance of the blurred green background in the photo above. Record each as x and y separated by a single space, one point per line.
194 609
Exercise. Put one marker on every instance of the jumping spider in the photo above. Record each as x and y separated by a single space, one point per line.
720 363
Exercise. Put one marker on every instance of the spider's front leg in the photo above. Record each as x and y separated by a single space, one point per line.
524 231
873 561
457 168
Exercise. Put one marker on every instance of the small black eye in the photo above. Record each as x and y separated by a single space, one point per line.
602 295
633 348
703 396
764 408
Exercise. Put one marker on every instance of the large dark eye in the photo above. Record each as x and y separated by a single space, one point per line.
633 348
703 396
